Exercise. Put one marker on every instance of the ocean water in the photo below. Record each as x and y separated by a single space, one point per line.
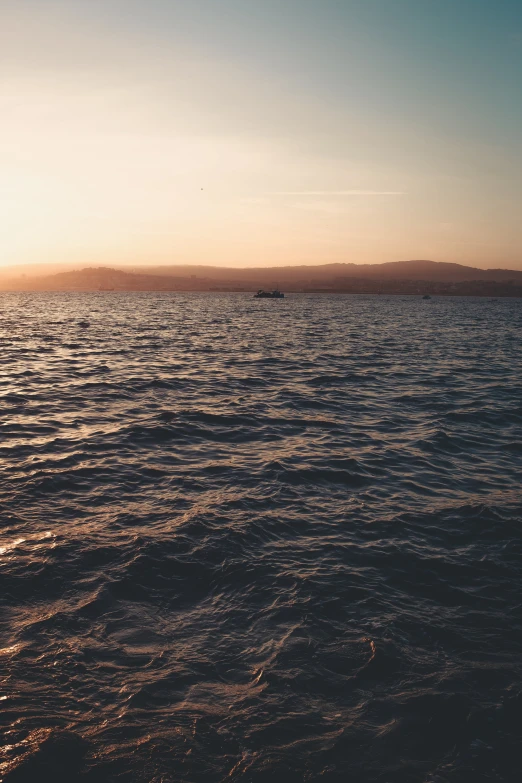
251 540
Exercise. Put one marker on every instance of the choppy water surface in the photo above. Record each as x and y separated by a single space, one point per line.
247 540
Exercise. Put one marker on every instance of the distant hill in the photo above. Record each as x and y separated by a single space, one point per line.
394 270
394 277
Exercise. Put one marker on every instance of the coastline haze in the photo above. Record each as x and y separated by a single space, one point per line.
406 277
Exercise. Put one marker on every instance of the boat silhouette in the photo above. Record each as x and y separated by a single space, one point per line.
269 294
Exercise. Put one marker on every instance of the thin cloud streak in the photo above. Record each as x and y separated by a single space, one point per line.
339 193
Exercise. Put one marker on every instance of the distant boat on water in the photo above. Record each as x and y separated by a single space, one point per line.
269 294
426 296
101 288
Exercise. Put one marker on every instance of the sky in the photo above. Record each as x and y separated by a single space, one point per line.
259 133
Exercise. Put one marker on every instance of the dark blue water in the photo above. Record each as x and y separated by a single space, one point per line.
253 540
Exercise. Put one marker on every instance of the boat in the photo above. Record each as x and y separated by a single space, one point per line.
426 296
269 294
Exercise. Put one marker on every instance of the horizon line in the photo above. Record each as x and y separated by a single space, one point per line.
82 265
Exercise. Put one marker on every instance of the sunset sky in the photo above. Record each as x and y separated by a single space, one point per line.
260 132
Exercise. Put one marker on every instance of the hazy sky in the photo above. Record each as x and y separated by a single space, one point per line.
260 132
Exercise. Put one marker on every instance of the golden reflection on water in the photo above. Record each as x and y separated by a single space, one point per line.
45 536
11 650
13 545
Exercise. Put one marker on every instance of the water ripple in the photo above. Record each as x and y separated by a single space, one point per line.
242 538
